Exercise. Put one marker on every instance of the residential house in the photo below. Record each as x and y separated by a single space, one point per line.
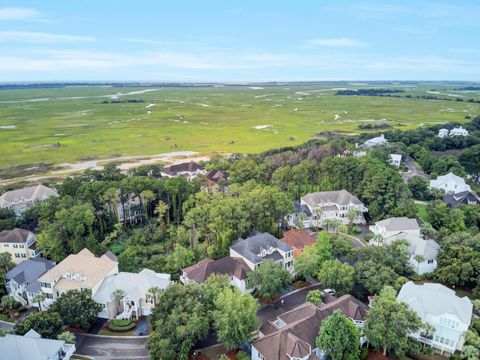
262 246
22 282
376 141
188 169
301 218
394 225
440 307
292 335
298 239
32 346
19 243
216 178
402 228
82 271
135 300
131 210
235 268
21 199
459 131
328 205
450 183
461 198
395 160
443 133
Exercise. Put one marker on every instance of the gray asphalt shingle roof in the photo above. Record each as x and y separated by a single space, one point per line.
250 247
28 271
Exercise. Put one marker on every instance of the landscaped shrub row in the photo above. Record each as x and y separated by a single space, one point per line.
120 325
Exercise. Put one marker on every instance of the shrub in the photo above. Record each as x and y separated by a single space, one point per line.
476 325
22 309
120 325
121 322
17 305
241 355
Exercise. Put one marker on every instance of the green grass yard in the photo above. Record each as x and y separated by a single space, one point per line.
71 124
422 212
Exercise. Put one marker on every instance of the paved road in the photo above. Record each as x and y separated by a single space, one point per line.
6 325
413 170
112 348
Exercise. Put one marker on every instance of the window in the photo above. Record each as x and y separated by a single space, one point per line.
24 255
17 255
48 296
260 356
6 245
430 261
436 338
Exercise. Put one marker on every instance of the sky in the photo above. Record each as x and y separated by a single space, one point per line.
250 40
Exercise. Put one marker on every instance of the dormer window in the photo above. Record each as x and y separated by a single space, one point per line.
270 250
264 253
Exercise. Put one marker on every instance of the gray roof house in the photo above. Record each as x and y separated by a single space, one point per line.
21 199
31 346
23 277
439 306
262 246
461 198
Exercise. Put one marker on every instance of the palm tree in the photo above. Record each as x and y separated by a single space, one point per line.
154 292
377 239
147 196
352 214
161 211
470 352
5 260
118 294
427 331
419 259
38 299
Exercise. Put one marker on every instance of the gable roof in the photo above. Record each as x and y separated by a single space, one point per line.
250 247
449 179
216 176
435 299
28 271
134 285
299 208
29 347
300 328
16 235
340 197
417 245
30 193
93 269
223 266
182 167
399 224
298 238
464 197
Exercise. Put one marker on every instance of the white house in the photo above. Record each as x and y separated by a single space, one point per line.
459 131
402 228
395 160
135 299
450 183
262 246
440 307
392 226
235 268
443 133
315 208
31 346
21 199
376 141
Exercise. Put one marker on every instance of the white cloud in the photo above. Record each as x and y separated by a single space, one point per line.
40 37
427 65
337 42
18 13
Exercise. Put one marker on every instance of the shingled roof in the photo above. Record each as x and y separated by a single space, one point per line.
216 176
340 197
28 271
30 193
296 338
16 235
224 266
250 247
182 167
298 238
464 197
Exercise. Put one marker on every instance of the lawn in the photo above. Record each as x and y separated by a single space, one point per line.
72 124
4 317
422 212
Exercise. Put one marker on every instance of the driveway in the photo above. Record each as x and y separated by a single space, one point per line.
5 325
413 169
112 347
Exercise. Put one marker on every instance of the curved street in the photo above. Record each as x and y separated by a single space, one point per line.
112 347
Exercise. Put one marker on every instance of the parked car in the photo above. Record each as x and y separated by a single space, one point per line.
331 292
